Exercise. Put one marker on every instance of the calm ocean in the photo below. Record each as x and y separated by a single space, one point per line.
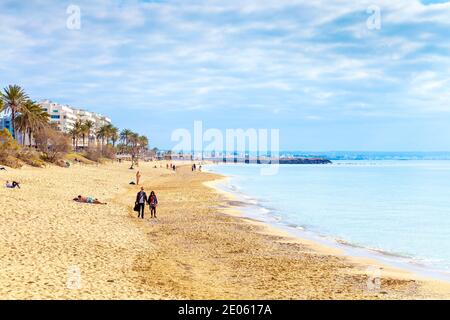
397 210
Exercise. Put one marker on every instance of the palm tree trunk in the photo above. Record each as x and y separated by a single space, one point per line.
13 120
29 136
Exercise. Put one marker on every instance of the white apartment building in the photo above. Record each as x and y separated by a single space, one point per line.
65 117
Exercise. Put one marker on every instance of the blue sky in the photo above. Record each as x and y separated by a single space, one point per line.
312 69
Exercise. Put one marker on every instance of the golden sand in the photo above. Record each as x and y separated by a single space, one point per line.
54 248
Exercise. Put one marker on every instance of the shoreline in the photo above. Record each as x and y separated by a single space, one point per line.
194 250
362 256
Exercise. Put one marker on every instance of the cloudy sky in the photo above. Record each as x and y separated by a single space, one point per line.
320 71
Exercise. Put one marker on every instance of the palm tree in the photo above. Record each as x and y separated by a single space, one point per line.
31 119
87 129
125 136
133 143
114 135
109 131
14 99
143 142
73 132
76 132
103 133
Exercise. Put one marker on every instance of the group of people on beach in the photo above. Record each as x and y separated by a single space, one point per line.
172 167
142 199
195 168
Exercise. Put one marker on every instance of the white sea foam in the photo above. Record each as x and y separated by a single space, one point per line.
395 208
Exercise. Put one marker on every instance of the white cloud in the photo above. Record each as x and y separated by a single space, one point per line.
203 54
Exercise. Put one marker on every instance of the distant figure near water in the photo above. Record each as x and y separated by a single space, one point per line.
141 200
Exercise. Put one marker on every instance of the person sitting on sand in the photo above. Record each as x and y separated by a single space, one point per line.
153 202
12 185
89 200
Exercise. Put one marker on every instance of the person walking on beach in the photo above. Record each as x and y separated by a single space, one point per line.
141 200
153 202
138 177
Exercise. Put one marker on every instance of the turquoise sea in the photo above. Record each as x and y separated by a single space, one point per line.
395 211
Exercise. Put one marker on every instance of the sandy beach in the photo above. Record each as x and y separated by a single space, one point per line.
198 248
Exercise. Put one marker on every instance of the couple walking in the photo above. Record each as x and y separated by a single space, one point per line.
142 199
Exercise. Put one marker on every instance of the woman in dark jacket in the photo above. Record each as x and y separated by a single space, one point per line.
153 202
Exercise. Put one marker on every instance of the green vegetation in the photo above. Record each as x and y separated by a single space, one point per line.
13 156
132 144
14 100
46 143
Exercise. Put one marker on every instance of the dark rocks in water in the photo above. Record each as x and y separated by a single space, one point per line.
305 161
274 161
292 161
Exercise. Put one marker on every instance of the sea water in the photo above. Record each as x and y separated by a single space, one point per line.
396 208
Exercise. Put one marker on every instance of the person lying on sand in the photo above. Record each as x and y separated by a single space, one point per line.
2 169
89 200
12 185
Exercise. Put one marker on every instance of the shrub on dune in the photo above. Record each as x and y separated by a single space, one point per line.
9 149
93 154
31 158
53 144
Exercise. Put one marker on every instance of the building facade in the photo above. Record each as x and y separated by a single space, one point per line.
65 117
62 115
5 122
